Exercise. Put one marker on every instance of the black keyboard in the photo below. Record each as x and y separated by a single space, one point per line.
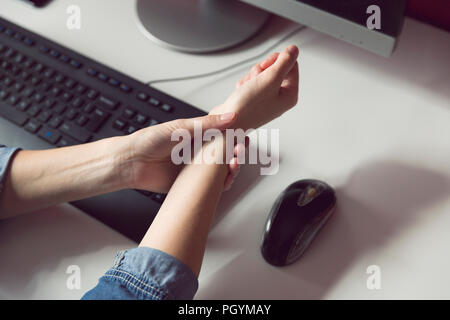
65 98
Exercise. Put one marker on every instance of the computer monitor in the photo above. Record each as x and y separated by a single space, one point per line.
353 21
212 25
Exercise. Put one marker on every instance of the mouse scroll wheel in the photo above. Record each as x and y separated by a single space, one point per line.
308 194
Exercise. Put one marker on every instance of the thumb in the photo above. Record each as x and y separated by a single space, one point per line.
285 62
210 121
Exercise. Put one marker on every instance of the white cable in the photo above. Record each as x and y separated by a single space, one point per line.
211 73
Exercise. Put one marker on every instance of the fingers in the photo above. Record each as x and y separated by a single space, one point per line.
269 61
284 63
258 68
216 121
289 86
234 165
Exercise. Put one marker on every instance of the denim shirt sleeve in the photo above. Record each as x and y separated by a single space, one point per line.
6 154
145 274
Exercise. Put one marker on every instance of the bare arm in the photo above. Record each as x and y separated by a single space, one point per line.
182 224
39 179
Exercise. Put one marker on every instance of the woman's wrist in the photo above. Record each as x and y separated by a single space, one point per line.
121 152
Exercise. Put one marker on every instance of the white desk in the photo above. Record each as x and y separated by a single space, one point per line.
377 129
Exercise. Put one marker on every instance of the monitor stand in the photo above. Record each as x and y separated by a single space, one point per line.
199 25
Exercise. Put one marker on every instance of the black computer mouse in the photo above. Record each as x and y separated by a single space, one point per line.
299 212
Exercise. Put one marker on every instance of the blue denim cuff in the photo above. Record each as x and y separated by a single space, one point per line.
6 154
145 273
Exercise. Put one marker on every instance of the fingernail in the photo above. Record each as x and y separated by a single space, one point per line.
293 50
227 116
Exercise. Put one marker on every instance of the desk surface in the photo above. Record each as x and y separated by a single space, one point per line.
376 129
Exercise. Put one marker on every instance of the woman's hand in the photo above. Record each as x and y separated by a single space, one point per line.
150 164
266 92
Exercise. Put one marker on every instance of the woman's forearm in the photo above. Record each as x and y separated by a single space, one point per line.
39 179
182 224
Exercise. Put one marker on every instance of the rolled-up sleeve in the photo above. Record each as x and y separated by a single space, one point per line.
6 155
145 274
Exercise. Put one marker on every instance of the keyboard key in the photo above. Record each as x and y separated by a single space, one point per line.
80 89
29 42
49 73
142 96
19 58
89 108
75 132
167 108
10 53
28 92
37 97
141 119
82 120
49 103
77 102
39 68
128 113
25 75
125 88
44 49
102 77
4 94
131 129
19 37
92 72
92 94
119 124
13 100
45 116
66 142
154 102
35 81
13 115
34 110
55 122
64 58
60 109
49 135
23 105
97 120
67 96
113 82
70 83
54 53
153 122
107 102
10 32
59 78
56 91
72 114
29 63
33 126
8 82
75 64
44 87
18 87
